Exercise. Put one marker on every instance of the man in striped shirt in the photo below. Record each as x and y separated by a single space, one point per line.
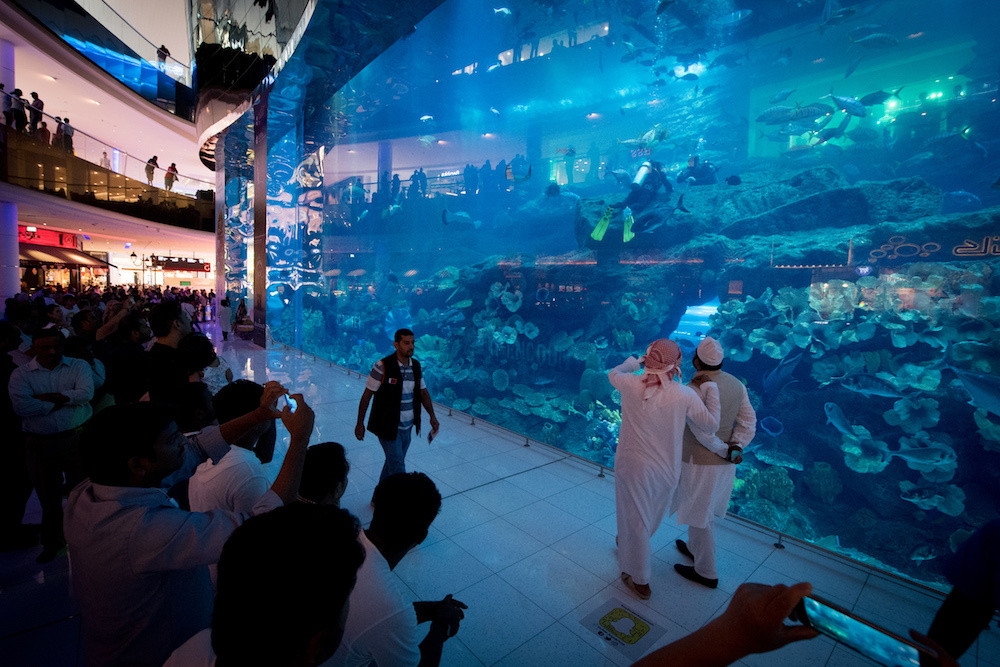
394 382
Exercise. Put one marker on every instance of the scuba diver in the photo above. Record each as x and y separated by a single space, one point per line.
698 172
645 186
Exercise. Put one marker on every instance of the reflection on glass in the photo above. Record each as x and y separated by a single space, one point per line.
542 193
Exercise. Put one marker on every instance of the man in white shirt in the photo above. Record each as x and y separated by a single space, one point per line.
237 481
51 394
382 627
708 470
284 622
139 562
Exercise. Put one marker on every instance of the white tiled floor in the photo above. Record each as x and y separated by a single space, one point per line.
525 538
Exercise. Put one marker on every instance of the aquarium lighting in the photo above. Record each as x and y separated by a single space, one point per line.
892 104
410 273
593 116
809 266
441 142
488 135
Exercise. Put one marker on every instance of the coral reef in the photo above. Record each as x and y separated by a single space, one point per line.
824 481
913 416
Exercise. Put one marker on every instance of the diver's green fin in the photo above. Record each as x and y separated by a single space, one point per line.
629 234
602 225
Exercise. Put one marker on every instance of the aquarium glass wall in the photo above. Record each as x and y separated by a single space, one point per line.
541 189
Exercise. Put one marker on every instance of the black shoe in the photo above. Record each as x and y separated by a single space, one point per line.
49 553
683 548
688 573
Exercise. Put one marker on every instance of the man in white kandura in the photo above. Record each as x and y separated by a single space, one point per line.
648 460
708 469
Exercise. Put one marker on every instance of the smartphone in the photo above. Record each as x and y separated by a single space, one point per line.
876 643
290 402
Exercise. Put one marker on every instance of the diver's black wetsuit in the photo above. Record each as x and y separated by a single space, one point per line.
643 195
703 173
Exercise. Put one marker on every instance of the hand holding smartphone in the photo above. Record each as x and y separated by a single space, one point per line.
868 639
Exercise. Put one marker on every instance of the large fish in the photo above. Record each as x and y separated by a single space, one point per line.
814 110
879 97
836 417
877 40
782 95
870 385
780 377
461 218
776 115
849 105
932 456
984 389
647 224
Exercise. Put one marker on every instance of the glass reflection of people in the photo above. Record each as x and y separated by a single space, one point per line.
594 157
241 312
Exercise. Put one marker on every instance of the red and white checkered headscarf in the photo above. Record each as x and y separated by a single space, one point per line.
662 363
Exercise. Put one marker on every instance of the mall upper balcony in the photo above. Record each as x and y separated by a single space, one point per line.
40 152
97 31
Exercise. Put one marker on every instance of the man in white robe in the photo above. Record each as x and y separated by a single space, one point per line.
648 460
708 469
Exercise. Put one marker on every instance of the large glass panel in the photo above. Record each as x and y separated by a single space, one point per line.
813 183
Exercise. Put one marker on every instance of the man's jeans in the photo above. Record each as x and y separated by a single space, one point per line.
395 453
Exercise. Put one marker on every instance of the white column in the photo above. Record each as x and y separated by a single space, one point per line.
10 263
7 65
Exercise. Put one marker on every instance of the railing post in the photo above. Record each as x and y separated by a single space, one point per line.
779 544
601 472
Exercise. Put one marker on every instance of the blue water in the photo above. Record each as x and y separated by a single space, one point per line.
846 228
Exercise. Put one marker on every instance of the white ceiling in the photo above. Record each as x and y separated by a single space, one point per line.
97 104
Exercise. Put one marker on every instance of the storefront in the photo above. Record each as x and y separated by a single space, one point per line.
53 259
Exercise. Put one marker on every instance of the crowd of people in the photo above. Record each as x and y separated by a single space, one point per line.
173 524
22 115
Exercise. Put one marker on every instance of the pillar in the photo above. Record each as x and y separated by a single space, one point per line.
7 65
384 164
10 262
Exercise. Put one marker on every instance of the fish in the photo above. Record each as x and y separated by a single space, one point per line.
870 385
503 11
427 140
877 40
996 184
933 456
879 97
427 118
619 175
984 390
775 115
708 89
541 380
460 218
837 17
731 59
782 95
494 111
645 227
656 83
734 180
864 30
849 105
780 377
663 6
690 76
814 110
836 418
960 200
772 426
862 134
853 66
775 458
922 553
925 497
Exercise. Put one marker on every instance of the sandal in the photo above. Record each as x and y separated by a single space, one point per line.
636 588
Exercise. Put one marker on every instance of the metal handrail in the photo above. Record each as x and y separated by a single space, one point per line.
28 110
782 537
186 68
